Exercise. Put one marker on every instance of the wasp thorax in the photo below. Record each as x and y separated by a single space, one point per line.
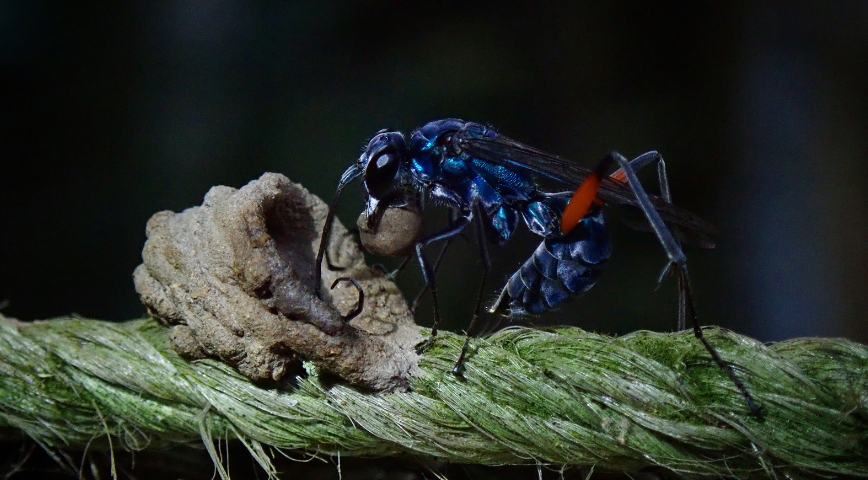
395 234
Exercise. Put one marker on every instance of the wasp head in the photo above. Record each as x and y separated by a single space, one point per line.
384 163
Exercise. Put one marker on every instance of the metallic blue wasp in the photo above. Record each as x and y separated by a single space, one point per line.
494 182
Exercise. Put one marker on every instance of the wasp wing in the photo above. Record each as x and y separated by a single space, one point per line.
539 164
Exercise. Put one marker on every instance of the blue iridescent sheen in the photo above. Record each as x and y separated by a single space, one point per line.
438 170
560 267
490 180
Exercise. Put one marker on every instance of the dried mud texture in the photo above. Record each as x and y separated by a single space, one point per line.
395 235
235 278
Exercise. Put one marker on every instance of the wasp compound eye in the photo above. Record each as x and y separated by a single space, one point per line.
380 174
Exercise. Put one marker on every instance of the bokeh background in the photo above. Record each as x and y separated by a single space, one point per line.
111 113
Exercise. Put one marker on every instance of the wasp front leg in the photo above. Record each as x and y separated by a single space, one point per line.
428 271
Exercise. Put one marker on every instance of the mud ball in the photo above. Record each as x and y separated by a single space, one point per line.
398 230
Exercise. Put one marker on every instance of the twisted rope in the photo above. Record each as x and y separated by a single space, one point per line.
561 397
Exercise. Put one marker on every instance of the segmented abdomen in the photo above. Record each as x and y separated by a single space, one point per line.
559 268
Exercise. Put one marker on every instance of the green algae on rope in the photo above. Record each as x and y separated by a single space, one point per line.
231 281
560 396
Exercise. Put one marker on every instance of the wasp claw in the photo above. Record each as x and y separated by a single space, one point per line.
423 346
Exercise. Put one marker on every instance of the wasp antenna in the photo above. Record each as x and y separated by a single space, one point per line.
348 176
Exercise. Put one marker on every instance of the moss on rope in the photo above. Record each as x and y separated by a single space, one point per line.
561 397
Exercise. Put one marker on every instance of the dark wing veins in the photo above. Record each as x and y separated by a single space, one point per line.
539 164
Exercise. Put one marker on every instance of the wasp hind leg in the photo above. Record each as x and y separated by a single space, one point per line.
677 264
663 179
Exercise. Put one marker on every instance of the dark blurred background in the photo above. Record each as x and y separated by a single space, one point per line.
111 113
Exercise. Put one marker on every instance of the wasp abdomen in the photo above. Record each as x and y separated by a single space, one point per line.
558 269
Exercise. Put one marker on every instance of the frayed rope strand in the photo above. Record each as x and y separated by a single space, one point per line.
560 397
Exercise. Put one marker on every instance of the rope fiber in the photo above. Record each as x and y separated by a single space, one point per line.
562 397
